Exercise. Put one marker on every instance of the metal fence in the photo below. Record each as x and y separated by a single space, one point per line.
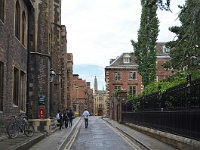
176 111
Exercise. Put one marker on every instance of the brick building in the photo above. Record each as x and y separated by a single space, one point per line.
89 98
14 30
78 94
122 73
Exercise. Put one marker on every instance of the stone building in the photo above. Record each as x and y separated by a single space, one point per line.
100 104
69 79
14 46
63 77
48 45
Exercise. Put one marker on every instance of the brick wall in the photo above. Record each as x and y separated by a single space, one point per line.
12 54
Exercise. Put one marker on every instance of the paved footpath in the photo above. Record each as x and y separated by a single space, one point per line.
56 140
145 140
38 140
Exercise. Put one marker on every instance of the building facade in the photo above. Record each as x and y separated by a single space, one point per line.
69 79
78 94
14 30
100 104
122 74
46 60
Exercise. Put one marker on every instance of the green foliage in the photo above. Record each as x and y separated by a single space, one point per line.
185 52
144 49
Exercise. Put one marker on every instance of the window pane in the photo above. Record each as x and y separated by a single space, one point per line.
23 28
132 75
23 91
117 75
132 90
16 87
17 20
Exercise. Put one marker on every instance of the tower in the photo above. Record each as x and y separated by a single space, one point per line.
95 85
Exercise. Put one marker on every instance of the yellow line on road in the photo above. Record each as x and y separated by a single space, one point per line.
73 137
125 138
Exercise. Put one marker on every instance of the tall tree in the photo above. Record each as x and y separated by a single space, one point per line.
186 48
145 47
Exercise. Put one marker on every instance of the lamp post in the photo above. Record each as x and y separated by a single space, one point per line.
52 77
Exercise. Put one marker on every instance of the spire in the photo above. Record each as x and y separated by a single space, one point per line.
95 85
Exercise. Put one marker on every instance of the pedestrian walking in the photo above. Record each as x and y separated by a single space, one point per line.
86 116
66 118
59 117
71 117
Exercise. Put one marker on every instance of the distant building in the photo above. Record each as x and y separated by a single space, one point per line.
100 101
89 98
122 73
79 91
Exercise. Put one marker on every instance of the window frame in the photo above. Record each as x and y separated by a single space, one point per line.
17 20
117 87
22 102
117 76
134 77
16 86
24 28
131 89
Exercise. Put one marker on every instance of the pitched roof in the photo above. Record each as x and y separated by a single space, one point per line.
119 63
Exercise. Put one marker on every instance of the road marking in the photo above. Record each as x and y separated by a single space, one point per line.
73 137
125 138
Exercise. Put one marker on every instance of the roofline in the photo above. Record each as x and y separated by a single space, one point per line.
122 67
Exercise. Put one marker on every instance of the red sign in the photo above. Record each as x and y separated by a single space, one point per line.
41 112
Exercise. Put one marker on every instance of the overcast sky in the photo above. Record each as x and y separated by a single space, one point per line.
98 30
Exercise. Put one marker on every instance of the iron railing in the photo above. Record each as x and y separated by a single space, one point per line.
176 111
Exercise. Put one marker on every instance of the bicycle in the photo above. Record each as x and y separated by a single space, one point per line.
20 124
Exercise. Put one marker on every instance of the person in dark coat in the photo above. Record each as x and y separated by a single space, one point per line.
66 118
70 114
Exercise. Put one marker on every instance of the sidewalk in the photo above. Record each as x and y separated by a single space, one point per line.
23 142
144 140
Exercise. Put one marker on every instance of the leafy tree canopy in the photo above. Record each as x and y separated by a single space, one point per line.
185 52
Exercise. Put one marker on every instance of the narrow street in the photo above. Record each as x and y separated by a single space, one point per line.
100 135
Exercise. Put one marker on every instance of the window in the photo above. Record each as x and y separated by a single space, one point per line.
166 50
117 87
24 29
126 58
17 20
22 91
132 75
16 87
2 10
132 90
1 85
117 76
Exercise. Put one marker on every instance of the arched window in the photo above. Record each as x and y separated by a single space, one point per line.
17 20
23 28
2 10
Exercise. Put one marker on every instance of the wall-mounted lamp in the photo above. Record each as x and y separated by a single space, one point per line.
52 75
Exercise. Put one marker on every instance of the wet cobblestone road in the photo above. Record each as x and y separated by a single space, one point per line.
99 136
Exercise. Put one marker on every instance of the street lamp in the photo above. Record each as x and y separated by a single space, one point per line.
52 75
